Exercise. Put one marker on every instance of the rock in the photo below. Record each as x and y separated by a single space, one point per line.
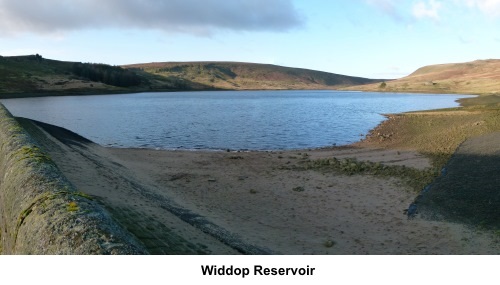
329 243
299 189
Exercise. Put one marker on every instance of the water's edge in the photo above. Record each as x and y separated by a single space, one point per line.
241 121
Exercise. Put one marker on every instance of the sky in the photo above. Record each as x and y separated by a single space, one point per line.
367 38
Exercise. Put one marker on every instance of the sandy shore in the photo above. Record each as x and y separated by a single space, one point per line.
186 202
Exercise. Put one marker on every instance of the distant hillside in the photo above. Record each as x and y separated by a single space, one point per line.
240 76
34 75
476 77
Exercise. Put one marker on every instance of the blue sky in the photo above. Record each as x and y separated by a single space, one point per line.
368 38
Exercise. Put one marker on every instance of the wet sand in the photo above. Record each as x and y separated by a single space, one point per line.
187 202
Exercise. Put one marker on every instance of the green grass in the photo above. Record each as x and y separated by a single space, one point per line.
414 178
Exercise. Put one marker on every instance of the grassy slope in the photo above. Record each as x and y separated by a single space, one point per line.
477 77
33 76
241 76
22 76
29 75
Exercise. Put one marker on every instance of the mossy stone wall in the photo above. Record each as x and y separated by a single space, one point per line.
41 212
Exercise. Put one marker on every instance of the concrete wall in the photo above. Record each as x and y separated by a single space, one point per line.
41 212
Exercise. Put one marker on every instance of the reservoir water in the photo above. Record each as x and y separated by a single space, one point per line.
237 120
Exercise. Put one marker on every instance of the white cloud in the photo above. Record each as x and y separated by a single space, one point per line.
188 16
429 9
488 7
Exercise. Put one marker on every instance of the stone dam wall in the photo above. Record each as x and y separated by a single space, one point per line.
41 212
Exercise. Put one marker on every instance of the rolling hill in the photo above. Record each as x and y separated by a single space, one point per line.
34 75
246 76
477 77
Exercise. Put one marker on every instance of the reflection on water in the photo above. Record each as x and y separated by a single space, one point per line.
253 120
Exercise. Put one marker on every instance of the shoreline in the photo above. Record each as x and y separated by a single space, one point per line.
61 93
331 200
278 200
354 140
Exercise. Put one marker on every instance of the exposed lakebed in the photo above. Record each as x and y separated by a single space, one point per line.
237 120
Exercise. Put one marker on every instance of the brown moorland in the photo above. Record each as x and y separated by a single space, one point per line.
480 77
247 76
33 75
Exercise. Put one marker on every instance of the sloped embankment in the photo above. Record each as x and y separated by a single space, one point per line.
468 190
41 212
